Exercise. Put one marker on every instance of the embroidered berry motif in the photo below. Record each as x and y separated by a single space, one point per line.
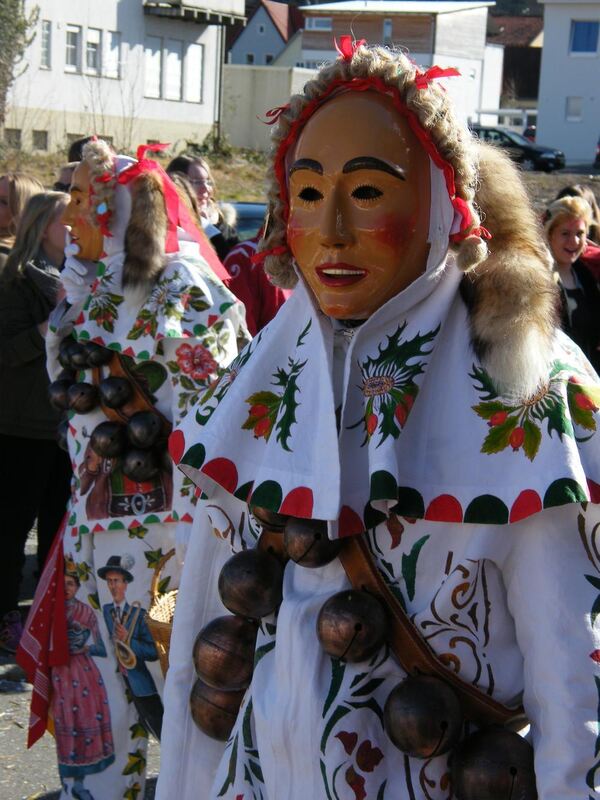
517 438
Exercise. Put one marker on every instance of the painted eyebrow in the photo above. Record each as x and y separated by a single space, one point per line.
307 163
369 162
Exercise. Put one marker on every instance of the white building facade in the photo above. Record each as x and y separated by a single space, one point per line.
569 96
129 70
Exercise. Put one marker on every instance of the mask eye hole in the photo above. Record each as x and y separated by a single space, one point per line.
310 195
366 192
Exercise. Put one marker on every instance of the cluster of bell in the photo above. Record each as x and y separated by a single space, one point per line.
138 444
422 714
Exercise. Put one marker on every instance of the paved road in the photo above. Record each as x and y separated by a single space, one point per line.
32 774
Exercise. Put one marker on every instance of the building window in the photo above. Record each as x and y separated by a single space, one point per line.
387 31
318 23
39 139
194 60
73 49
268 58
152 66
249 58
574 109
261 29
584 37
46 59
173 69
112 55
93 46
12 137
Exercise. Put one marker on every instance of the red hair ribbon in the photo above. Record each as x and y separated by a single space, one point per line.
347 46
258 258
177 213
273 114
423 79
482 232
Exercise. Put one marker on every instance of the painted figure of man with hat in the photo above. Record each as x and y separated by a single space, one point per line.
132 639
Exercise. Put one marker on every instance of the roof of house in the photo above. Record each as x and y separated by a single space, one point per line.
390 7
514 31
286 19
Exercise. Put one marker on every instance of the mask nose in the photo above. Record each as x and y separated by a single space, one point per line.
335 228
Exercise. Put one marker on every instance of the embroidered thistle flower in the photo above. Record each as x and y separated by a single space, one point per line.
196 361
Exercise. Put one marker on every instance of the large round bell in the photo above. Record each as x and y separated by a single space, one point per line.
108 439
62 433
213 710
83 397
97 356
115 391
144 429
269 519
224 652
422 716
63 352
139 465
306 542
58 393
352 625
494 763
250 583
77 355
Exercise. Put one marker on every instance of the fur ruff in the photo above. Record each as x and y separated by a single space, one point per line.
512 297
146 233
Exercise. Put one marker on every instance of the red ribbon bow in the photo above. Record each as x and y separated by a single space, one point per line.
423 79
273 114
347 46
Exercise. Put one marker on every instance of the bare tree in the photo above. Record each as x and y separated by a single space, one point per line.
16 34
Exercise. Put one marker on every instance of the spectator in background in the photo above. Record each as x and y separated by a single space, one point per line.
251 285
591 255
217 220
65 174
566 224
34 472
15 190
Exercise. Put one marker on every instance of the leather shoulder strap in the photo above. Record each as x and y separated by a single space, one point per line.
409 647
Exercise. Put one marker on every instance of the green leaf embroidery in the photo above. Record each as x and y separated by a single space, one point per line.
532 441
409 566
498 437
339 713
136 763
338 668
229 780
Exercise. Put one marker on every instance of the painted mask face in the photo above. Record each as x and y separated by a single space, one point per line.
359 191
79 216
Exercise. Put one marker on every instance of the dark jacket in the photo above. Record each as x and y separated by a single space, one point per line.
581 321
26 301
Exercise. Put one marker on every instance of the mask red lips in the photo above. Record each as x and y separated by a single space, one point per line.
340 274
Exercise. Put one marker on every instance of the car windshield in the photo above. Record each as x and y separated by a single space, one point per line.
517 138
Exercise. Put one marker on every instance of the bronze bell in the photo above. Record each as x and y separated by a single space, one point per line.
143 429
63 352
115 391
62 433
269 519
108 439
306 542
250 583
97 356
58 393
493 764
422 716
77 355
224 652
82 397
139 465
352 625
213 710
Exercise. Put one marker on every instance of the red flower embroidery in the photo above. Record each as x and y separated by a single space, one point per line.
595 656
367 757
356 782
195 361
349 740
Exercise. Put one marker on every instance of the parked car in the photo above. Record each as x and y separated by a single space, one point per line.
597 160
250 218
530 156
529 133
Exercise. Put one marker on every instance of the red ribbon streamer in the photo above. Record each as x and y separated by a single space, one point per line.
273 114
347 46
423 79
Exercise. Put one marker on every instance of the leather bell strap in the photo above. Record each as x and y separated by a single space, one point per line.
412 651
139 401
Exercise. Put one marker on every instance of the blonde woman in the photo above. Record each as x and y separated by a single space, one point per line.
566 224
34 471
15 190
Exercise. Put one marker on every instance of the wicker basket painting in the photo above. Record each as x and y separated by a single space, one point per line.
160 614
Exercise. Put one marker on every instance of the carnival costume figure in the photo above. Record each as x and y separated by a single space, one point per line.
147 325
406 464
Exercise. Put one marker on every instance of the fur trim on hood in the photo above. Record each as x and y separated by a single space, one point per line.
146 232
512 297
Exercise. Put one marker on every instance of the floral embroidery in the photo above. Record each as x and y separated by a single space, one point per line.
196 361
388 384
171 298
102 304
269 410
519 424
